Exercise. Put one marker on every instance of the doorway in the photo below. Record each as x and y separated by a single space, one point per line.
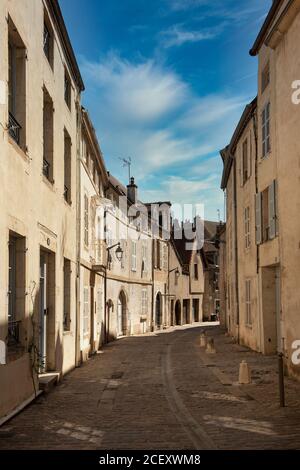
178 313
47 312
121 315
158 310
195 310
271 310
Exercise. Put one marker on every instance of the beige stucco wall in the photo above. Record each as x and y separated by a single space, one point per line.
287 70
30 205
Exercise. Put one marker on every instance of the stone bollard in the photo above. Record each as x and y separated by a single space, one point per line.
210 346
203 340
244 373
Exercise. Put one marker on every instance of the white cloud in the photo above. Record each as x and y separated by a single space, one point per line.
176 36
145 111
140 92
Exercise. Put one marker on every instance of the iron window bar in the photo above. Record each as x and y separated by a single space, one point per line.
66 193
46 168
14 128
13 332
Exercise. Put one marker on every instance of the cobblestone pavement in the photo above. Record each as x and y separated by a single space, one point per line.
162 392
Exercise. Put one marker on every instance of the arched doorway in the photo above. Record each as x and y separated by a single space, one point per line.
121 315
158 310
178 313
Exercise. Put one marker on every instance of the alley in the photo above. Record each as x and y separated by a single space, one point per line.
162 391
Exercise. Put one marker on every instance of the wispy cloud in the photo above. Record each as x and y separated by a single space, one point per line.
177 36
147 111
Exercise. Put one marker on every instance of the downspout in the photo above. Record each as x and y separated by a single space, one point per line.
152 306
254 116
78 239
236 252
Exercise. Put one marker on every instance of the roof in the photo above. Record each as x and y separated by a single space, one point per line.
55 11
228 152
276 5
115 183
92 134
210 232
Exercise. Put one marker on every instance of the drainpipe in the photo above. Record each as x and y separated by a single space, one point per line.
152 302
254 116
236 251
78 239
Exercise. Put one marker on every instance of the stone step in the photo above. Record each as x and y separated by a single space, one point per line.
48 380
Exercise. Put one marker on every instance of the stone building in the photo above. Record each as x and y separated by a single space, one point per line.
129 296
261 181
211 299
93 182
186 279
38 198
221 246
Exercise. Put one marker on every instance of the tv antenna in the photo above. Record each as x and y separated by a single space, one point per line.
126 162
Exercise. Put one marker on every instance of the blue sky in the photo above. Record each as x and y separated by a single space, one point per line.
166 82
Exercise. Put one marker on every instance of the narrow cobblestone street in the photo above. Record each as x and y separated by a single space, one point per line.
161 391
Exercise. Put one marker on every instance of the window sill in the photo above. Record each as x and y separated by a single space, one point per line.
67 333
18 149
48 182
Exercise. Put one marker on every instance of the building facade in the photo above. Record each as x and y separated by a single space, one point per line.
186 280
260 177
39 134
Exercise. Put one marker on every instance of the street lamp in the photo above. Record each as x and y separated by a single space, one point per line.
177 272
119 253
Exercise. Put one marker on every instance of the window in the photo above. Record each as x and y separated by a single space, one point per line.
245 162
196 276
144 301
266 214
247 226
16 287
48 41
67 294
67 89
16 86
265 77
248 302
86 220
67 167
48 136
157 254
144 256
85 322
266 142
133 256
165 256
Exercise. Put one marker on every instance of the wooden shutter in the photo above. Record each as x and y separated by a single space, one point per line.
272 211
258 237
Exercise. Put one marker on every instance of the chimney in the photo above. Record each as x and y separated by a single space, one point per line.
132 191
